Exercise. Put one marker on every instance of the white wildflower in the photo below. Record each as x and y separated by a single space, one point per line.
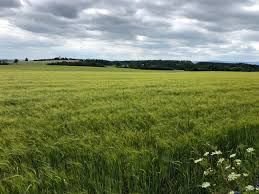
250 188
216 153
198 160
238 162
231 192
232 155
208 172
227 167
221 160
233 176
245 174
205 185
206 154
233 168
250 150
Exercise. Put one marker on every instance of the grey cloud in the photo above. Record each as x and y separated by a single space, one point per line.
223 15
10 3
67 9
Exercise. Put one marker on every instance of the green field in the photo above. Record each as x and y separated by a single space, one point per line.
108 130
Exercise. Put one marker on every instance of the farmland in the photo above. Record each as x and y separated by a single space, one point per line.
108 130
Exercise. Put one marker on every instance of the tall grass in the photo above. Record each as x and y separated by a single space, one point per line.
104 130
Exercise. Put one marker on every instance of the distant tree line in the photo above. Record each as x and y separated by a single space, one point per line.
3 62
87 62
163 65
58 59
217 66
154 64
8 62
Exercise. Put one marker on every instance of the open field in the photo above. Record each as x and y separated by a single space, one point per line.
107 130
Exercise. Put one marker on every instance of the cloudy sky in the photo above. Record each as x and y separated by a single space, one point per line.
130 29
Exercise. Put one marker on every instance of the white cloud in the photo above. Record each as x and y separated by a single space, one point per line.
141 38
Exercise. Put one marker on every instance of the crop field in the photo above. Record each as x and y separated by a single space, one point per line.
109 130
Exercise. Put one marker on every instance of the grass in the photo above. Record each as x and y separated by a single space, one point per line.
108 130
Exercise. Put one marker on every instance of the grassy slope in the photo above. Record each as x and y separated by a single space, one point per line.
95 130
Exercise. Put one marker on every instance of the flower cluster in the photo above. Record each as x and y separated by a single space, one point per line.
230 170
233 176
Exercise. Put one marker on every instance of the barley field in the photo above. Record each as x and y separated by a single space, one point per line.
107 130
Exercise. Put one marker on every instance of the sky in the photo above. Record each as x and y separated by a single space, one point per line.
197 30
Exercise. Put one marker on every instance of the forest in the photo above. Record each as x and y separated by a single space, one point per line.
162 65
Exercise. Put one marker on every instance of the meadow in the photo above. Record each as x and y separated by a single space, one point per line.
108 130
